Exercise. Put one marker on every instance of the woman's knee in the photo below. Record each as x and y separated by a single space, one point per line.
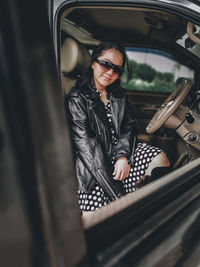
161 160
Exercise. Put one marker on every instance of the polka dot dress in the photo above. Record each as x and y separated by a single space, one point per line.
93 201
144 154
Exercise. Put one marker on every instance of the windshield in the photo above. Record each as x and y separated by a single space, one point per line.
153 70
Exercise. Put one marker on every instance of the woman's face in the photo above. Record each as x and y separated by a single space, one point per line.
104 77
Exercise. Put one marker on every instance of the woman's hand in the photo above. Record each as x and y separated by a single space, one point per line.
121 169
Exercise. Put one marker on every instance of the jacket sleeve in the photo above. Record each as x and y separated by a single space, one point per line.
82 136
128 134
88 148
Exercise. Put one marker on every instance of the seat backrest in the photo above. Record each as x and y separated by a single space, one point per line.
74 58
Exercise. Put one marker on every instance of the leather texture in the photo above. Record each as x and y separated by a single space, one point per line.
92 139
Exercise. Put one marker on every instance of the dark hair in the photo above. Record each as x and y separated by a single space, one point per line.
87 75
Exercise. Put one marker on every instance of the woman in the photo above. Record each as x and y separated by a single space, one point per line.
109 162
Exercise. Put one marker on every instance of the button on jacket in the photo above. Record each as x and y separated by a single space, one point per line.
92 139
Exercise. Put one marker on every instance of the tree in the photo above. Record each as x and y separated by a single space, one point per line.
146 72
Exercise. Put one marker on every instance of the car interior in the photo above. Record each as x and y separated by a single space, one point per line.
177 130
165 98
169 117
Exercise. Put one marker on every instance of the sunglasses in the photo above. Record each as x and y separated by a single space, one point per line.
106 65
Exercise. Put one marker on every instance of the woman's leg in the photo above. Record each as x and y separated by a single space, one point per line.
86 214
158 167
146 158
160 160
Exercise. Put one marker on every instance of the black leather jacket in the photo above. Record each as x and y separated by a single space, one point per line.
92 139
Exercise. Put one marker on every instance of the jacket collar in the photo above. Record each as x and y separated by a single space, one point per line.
92 91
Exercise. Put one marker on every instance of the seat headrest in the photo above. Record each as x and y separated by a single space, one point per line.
74 57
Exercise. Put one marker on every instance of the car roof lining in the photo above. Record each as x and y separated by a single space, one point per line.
116 23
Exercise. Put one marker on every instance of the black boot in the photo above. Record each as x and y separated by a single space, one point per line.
155 174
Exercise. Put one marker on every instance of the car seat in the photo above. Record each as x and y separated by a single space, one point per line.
74 58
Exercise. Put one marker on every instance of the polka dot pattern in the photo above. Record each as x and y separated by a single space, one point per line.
93 201
144 154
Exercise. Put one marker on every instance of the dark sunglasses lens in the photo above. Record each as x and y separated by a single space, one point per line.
118 70
107 66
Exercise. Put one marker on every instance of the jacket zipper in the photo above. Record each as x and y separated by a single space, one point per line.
120 119
133 151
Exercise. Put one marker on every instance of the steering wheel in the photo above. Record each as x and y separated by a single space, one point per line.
169 106
190 32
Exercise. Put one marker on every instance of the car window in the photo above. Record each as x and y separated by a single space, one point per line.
152 70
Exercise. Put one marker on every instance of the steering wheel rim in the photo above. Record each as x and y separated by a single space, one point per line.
169 106
190 32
